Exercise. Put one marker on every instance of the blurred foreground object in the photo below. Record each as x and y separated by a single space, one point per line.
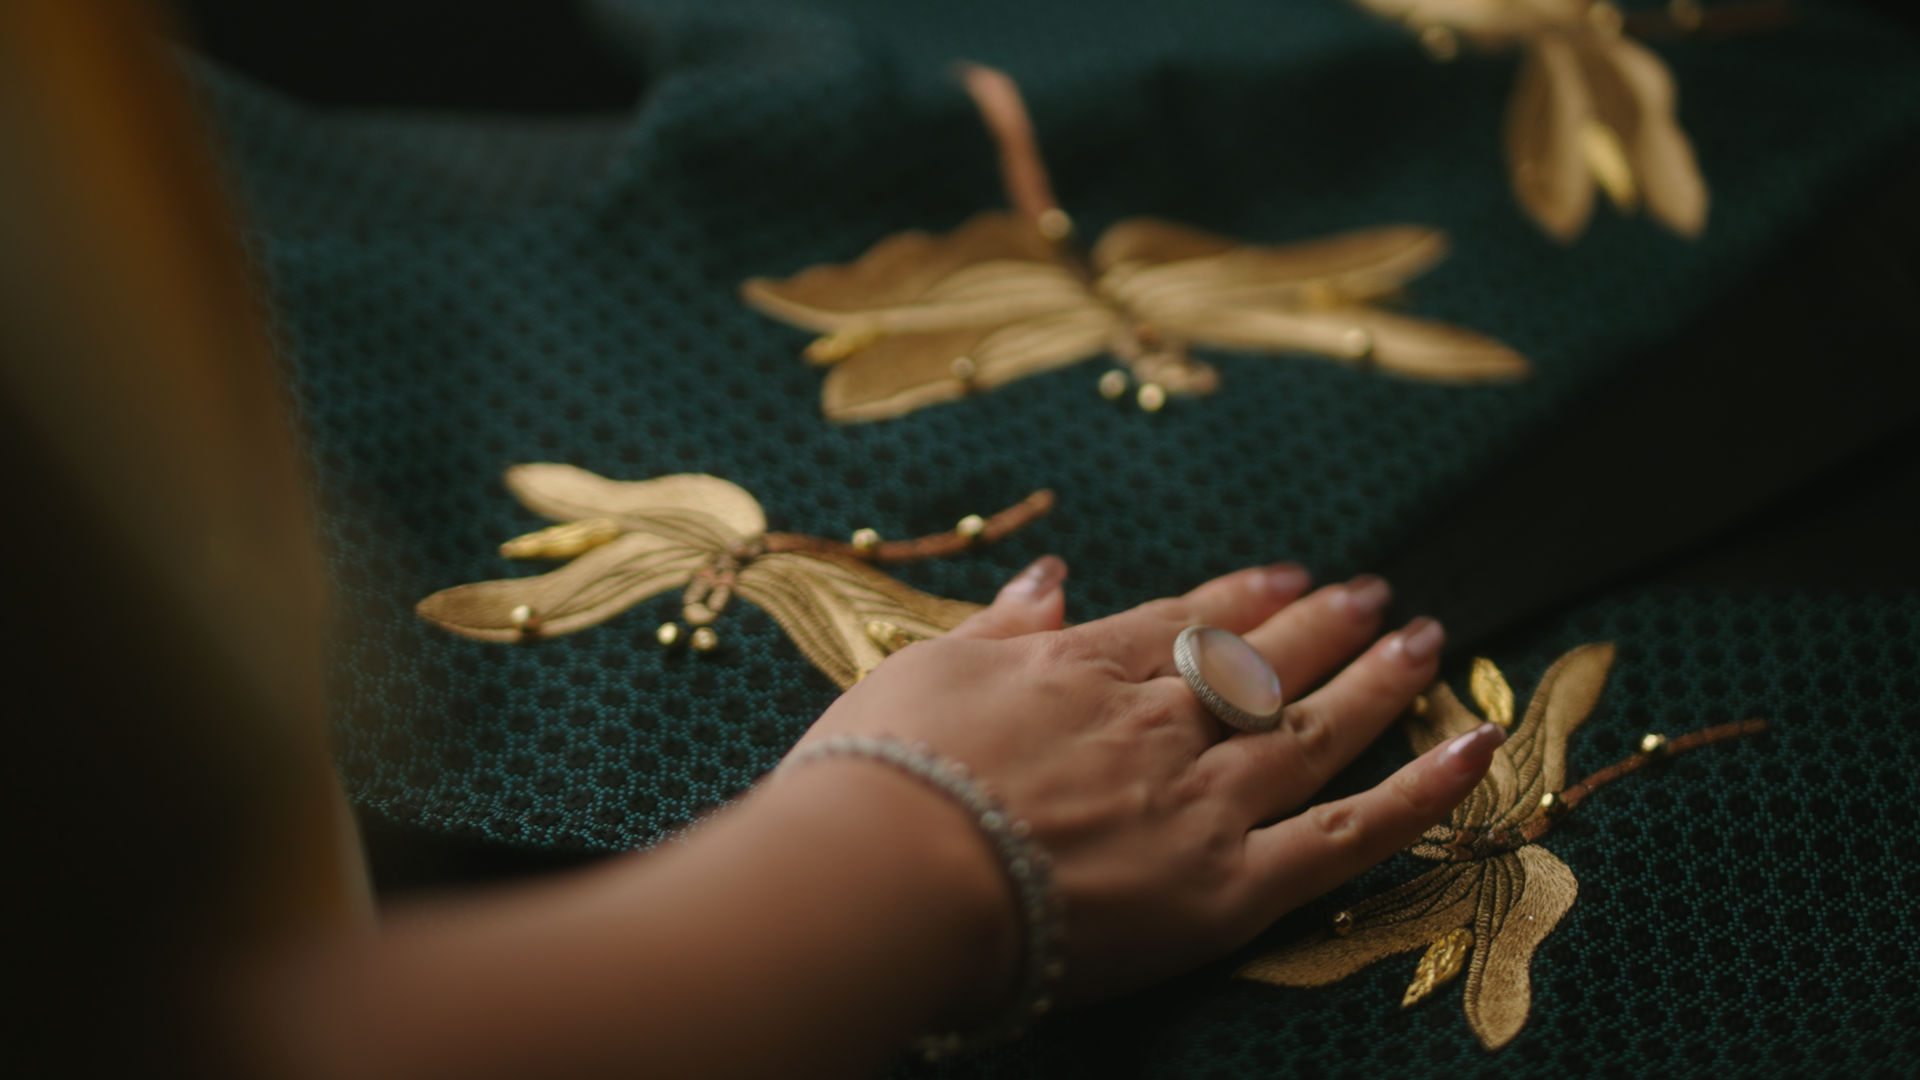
169 768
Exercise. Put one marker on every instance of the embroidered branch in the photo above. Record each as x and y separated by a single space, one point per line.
1496 893
628 541
922 319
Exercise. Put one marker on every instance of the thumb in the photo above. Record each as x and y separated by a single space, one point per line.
1033 601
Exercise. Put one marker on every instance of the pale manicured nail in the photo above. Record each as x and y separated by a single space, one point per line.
1038 580
1421 639
1284 579
1366 595
1469 753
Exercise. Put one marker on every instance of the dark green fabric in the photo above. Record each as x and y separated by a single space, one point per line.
459 293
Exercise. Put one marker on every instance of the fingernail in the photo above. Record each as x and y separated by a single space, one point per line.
1366 595
1469 753
1284 579
1421 639
1038 580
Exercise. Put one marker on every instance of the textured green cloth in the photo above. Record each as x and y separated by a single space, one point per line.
459 293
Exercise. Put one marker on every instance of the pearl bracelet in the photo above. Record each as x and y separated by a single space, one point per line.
1026 865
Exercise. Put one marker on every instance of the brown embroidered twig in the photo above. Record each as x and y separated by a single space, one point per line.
970 531
1682 20
1576 793
1021 167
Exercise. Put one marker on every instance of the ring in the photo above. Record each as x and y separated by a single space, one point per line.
1230 677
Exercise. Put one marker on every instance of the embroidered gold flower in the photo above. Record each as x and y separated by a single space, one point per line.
1592 107
1496 893
922 319
628 541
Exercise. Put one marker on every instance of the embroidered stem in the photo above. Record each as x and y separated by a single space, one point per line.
1021 168
951 542
1577 793
1682 20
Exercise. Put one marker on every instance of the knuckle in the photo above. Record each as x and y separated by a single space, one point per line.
1311 733
1340 825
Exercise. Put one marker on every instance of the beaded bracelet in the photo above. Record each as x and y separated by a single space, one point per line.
1026 865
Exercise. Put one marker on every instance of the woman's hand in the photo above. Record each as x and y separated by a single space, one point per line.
1173 838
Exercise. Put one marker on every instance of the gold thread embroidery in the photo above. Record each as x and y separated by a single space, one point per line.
921 319
1491 692
627 541
1493 879
1592 108
1439 965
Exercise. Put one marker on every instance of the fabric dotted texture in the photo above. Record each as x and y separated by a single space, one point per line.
455 294
1745 909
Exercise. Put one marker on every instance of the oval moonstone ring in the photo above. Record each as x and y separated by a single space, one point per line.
1229 676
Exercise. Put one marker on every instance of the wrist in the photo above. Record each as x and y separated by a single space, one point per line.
965 908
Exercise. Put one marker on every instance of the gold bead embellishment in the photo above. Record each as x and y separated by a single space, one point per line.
971 527
1420 705
705 640
1552 805
1113 385
964 368
525 619
865 540
668 635
1152 397
1054 224
1342 923
887 637
1356 344
1653 743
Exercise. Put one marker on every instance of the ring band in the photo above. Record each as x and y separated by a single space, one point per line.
1230 677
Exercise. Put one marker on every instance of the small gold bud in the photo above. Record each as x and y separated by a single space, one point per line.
1054 224
1420 705
887 637
1152 397
1113 385
963 368
524 619
1342 923
668 635
971 527
705 640
1653 743
1552 805
865 540
1356 344
697 614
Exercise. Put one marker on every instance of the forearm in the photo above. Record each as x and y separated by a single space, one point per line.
812 930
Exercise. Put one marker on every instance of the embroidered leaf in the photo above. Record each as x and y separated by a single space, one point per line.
1442 961
1491 692
1591 108
1529 890
588 591
1538 747
921 319
1400 920
824 603
567 493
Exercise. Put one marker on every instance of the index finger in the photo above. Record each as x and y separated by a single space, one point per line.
1298 859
